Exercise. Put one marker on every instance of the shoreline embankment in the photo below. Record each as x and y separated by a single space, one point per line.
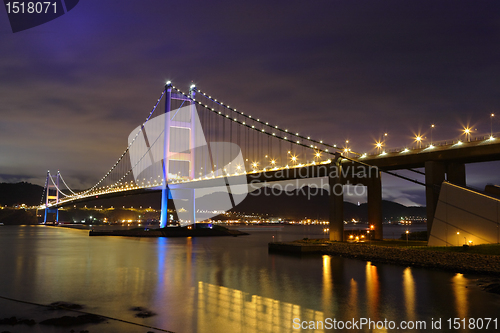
459 262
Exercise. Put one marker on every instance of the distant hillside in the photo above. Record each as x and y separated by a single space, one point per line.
20 193
10 216
299 205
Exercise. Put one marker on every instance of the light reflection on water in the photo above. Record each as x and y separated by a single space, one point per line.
233 309
410 293
327 282
221 284
460 291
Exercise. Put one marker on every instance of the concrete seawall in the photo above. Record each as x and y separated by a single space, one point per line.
450 261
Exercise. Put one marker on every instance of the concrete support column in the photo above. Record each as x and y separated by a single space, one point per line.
455 173
434 177
375 203
336 199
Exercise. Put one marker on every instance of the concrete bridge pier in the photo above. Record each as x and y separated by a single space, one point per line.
336 199
455 173
369 178
375 203
54 211
435 173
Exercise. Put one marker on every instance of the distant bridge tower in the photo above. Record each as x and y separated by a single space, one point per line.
52 194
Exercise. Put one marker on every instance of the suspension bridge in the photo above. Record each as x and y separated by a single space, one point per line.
197 148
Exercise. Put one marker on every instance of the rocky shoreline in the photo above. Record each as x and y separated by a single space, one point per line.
450 261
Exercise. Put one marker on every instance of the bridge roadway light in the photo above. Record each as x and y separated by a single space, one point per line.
346 148
419 138
467 132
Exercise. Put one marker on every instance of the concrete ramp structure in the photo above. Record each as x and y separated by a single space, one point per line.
464 216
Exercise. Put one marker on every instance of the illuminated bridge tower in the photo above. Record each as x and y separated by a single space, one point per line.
52 194
180 142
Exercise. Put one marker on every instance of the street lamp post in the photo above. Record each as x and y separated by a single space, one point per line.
407 232
491 121
432 127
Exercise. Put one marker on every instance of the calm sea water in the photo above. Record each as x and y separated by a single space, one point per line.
220 284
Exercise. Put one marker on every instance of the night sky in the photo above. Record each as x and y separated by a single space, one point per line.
71 90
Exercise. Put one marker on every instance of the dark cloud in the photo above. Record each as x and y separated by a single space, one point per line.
71 90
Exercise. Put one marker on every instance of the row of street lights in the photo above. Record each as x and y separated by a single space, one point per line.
419 138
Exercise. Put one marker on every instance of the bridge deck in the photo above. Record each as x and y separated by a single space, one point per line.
466 152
